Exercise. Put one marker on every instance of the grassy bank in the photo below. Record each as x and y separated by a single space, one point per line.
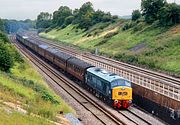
137 43
26 99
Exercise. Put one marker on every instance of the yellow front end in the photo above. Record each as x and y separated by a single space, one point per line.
122 96
122 93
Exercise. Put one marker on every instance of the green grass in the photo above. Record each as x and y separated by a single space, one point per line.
119 46
16 118
23 84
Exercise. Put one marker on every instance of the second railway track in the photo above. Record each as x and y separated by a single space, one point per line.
108 60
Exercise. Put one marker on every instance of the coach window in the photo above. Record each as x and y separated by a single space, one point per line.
94 80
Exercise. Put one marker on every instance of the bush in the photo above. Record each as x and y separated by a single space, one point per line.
40 89
169 14
128 25
6 59
110 35
63 26
136 14
104 25
138 27
69 20
102 42
3 38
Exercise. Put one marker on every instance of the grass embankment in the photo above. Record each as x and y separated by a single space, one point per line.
136 43
23 88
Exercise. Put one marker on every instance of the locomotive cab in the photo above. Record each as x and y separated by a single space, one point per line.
121 93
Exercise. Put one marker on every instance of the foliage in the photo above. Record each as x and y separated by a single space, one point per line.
3 38
128 25
13 118
60 15
85 14
84 17
2 28
129 42
68 20
12 26
6 60
110 35
43 20
150 9
169 14
8 54
136 14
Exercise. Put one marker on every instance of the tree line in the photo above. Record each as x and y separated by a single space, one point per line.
158 10
84 17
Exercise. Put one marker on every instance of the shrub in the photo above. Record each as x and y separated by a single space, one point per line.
138 27
169 14
69 20
102 42
128 25
136 14
104 25
3 38
110 35
6 59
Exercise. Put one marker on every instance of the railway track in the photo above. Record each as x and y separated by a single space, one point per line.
134 117
98 111
53 74
157 82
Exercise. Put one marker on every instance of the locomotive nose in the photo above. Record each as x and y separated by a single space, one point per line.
122 93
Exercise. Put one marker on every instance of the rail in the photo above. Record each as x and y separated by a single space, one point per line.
144 79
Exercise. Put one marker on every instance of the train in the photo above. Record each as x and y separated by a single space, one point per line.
108 86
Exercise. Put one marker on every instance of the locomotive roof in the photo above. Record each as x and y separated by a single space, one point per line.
79 63
102 73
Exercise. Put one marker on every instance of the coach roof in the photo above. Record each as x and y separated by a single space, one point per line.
79 63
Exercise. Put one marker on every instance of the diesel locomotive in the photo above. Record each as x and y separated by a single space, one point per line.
108 86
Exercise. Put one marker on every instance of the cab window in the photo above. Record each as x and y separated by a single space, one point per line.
120 82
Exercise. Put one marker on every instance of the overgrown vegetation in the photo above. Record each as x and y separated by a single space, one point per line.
8 54
148 39
21 85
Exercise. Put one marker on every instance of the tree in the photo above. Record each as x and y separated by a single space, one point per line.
150 9
68 20
6 60
3 38
84 17
136 14
43 20
2 28
60 15
169 14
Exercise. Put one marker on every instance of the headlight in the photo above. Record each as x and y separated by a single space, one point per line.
122 88
116 101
